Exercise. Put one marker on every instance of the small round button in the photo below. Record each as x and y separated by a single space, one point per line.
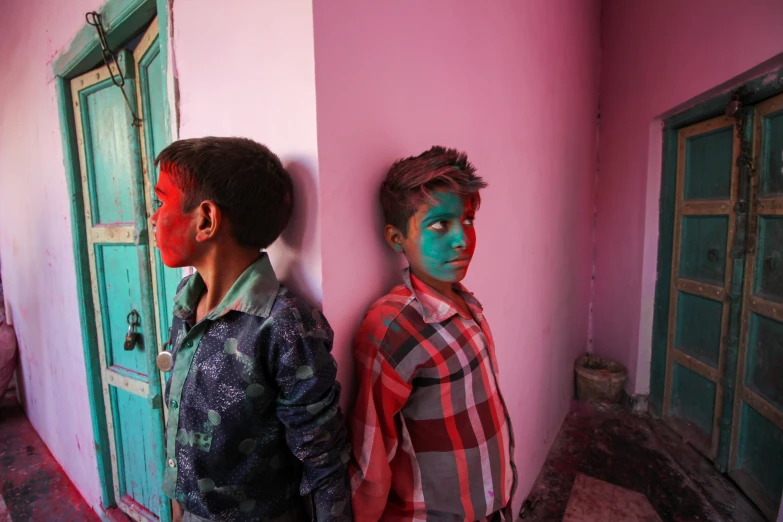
188 343
164 361
171 463
174 404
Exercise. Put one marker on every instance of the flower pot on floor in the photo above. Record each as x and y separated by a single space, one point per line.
599 379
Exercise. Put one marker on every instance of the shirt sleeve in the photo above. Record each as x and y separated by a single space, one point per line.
381 395
308 405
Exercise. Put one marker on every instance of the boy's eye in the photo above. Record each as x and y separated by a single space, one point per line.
439 225
156 203
468 221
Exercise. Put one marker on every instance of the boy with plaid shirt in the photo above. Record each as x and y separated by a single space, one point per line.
431 434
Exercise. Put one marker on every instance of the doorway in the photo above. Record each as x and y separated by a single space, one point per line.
719 319
114 120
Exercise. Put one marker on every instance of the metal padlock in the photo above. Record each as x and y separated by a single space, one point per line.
131 338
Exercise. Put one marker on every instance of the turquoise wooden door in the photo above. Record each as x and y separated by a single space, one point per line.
756 461
123 283
156 136
704 273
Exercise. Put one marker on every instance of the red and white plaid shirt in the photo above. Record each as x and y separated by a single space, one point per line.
431 435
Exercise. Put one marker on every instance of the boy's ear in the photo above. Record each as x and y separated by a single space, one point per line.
394 238
209 220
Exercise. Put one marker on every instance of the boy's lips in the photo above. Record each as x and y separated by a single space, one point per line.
460 262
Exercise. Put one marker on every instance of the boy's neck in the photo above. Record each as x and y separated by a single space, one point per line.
220 270
445 288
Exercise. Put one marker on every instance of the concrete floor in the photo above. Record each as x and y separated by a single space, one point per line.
623 464
34 486
607 465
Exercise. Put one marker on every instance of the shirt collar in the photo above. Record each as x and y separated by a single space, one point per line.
254 293
437 308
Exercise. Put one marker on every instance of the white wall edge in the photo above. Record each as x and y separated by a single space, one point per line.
649 258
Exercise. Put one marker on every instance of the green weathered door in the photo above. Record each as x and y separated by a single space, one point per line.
156 136
123 283
704 276
756 461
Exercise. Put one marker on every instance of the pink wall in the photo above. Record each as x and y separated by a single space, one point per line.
656 56
35 235
516 85
247 69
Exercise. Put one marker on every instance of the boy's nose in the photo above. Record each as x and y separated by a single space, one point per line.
459 238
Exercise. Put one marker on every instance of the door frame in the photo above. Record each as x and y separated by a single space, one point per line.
121 20
756 90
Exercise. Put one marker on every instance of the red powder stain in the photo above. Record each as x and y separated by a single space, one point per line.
173 228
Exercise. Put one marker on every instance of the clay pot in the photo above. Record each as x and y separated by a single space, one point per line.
599 379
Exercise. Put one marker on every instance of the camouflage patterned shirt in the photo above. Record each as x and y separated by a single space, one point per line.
254 421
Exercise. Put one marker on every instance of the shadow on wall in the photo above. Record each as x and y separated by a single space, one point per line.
294 250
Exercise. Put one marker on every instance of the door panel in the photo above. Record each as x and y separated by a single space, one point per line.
703 248
134 431
771 163
708 165
699 327
756 459
115 219
151 91
107 152
693 399
764 365
705 221
117 271
769 272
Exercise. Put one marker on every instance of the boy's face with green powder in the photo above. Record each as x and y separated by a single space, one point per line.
440 240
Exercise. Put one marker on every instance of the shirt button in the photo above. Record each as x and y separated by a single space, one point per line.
188 344
172 463
174 404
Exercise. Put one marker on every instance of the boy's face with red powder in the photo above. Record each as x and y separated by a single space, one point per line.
175 230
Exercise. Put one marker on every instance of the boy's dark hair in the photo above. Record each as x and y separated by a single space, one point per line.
410 181
242 177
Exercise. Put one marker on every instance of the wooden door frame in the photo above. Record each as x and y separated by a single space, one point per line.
756 90
121 20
